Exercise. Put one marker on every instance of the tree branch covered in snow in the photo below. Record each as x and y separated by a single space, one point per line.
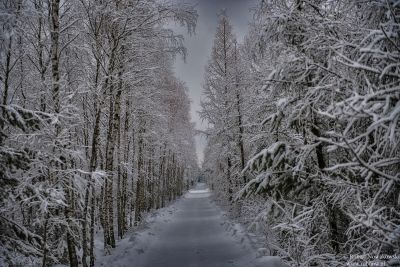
95 128
321 135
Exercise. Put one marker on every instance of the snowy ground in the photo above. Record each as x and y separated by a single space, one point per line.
191 232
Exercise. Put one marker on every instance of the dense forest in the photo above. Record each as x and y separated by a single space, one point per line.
303 143
303 132
94 126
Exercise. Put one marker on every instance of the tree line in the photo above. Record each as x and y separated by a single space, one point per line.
304 115
95 128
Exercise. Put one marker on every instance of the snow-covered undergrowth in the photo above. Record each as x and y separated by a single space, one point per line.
137 241
241 222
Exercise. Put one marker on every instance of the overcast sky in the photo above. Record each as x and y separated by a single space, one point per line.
199 49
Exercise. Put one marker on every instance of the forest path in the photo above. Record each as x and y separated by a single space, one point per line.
189 233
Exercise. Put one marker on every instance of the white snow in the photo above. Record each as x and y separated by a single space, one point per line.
192 231
198 191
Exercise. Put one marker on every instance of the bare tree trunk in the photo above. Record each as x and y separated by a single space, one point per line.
73 259
21 59
132 202
55 62
55 33
42 63
122 218
44 248
123 182
7 73
92 168
169 177
162 176
103 212
108 198
119 196
113 126
150 179
228 175
140 181
239 116
124 196
92 210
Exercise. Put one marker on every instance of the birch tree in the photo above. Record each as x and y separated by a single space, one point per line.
75 78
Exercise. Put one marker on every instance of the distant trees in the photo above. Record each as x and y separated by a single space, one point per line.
321 124
95 128
222 109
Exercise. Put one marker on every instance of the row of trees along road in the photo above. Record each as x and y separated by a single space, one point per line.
304 115
94 127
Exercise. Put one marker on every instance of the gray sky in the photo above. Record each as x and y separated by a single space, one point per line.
199 50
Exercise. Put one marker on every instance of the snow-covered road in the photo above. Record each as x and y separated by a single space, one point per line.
189 233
